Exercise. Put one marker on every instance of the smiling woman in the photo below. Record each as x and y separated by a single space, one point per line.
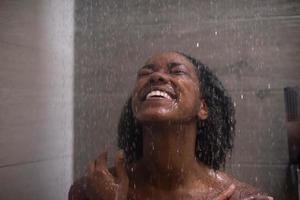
174 132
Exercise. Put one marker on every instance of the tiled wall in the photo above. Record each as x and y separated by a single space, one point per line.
36 99
253 46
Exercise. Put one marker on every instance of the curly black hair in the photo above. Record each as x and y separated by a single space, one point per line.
214 134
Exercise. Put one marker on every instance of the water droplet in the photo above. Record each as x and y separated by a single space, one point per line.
197 44
216 32
242 96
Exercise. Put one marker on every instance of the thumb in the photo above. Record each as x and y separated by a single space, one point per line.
120 167
122 177
227 193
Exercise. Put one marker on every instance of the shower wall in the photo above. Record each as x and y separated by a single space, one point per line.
36 99
253 46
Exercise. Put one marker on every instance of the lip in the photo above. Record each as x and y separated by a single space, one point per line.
168 89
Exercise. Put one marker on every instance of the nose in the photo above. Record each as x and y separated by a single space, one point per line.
159 78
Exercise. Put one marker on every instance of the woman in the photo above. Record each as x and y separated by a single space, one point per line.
174 132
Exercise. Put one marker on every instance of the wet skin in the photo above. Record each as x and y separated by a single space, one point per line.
175 75
166 101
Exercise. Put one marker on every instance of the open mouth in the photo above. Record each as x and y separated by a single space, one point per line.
158 94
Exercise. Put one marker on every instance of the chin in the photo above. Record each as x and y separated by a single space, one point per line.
155 116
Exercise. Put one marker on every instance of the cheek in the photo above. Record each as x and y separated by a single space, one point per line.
134 102
190 98
190 90
137 87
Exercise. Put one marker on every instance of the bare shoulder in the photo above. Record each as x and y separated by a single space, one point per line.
243 190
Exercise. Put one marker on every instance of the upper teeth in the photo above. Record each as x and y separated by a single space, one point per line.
158 93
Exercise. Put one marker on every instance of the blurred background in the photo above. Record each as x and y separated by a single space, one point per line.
67 68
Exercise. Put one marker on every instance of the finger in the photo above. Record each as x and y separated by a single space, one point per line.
101 165
122 176
226 194
90 168
259 197
120 166
101 161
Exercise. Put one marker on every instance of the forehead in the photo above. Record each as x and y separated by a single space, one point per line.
169 57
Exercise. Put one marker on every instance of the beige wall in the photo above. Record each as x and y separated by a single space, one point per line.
36 91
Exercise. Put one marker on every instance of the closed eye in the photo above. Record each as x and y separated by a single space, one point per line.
179 69
144 72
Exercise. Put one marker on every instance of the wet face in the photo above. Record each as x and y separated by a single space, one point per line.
166 89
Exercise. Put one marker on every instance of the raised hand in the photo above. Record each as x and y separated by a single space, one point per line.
101 184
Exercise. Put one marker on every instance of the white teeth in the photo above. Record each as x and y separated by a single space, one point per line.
158 93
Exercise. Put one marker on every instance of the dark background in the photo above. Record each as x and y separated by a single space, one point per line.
253 46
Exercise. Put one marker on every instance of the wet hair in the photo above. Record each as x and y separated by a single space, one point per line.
214 135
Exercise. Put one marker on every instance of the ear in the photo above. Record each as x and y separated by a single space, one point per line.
203 111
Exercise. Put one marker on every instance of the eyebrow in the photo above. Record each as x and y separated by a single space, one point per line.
148 66
170 65
173 64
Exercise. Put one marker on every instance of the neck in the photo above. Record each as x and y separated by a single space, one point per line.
169 154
